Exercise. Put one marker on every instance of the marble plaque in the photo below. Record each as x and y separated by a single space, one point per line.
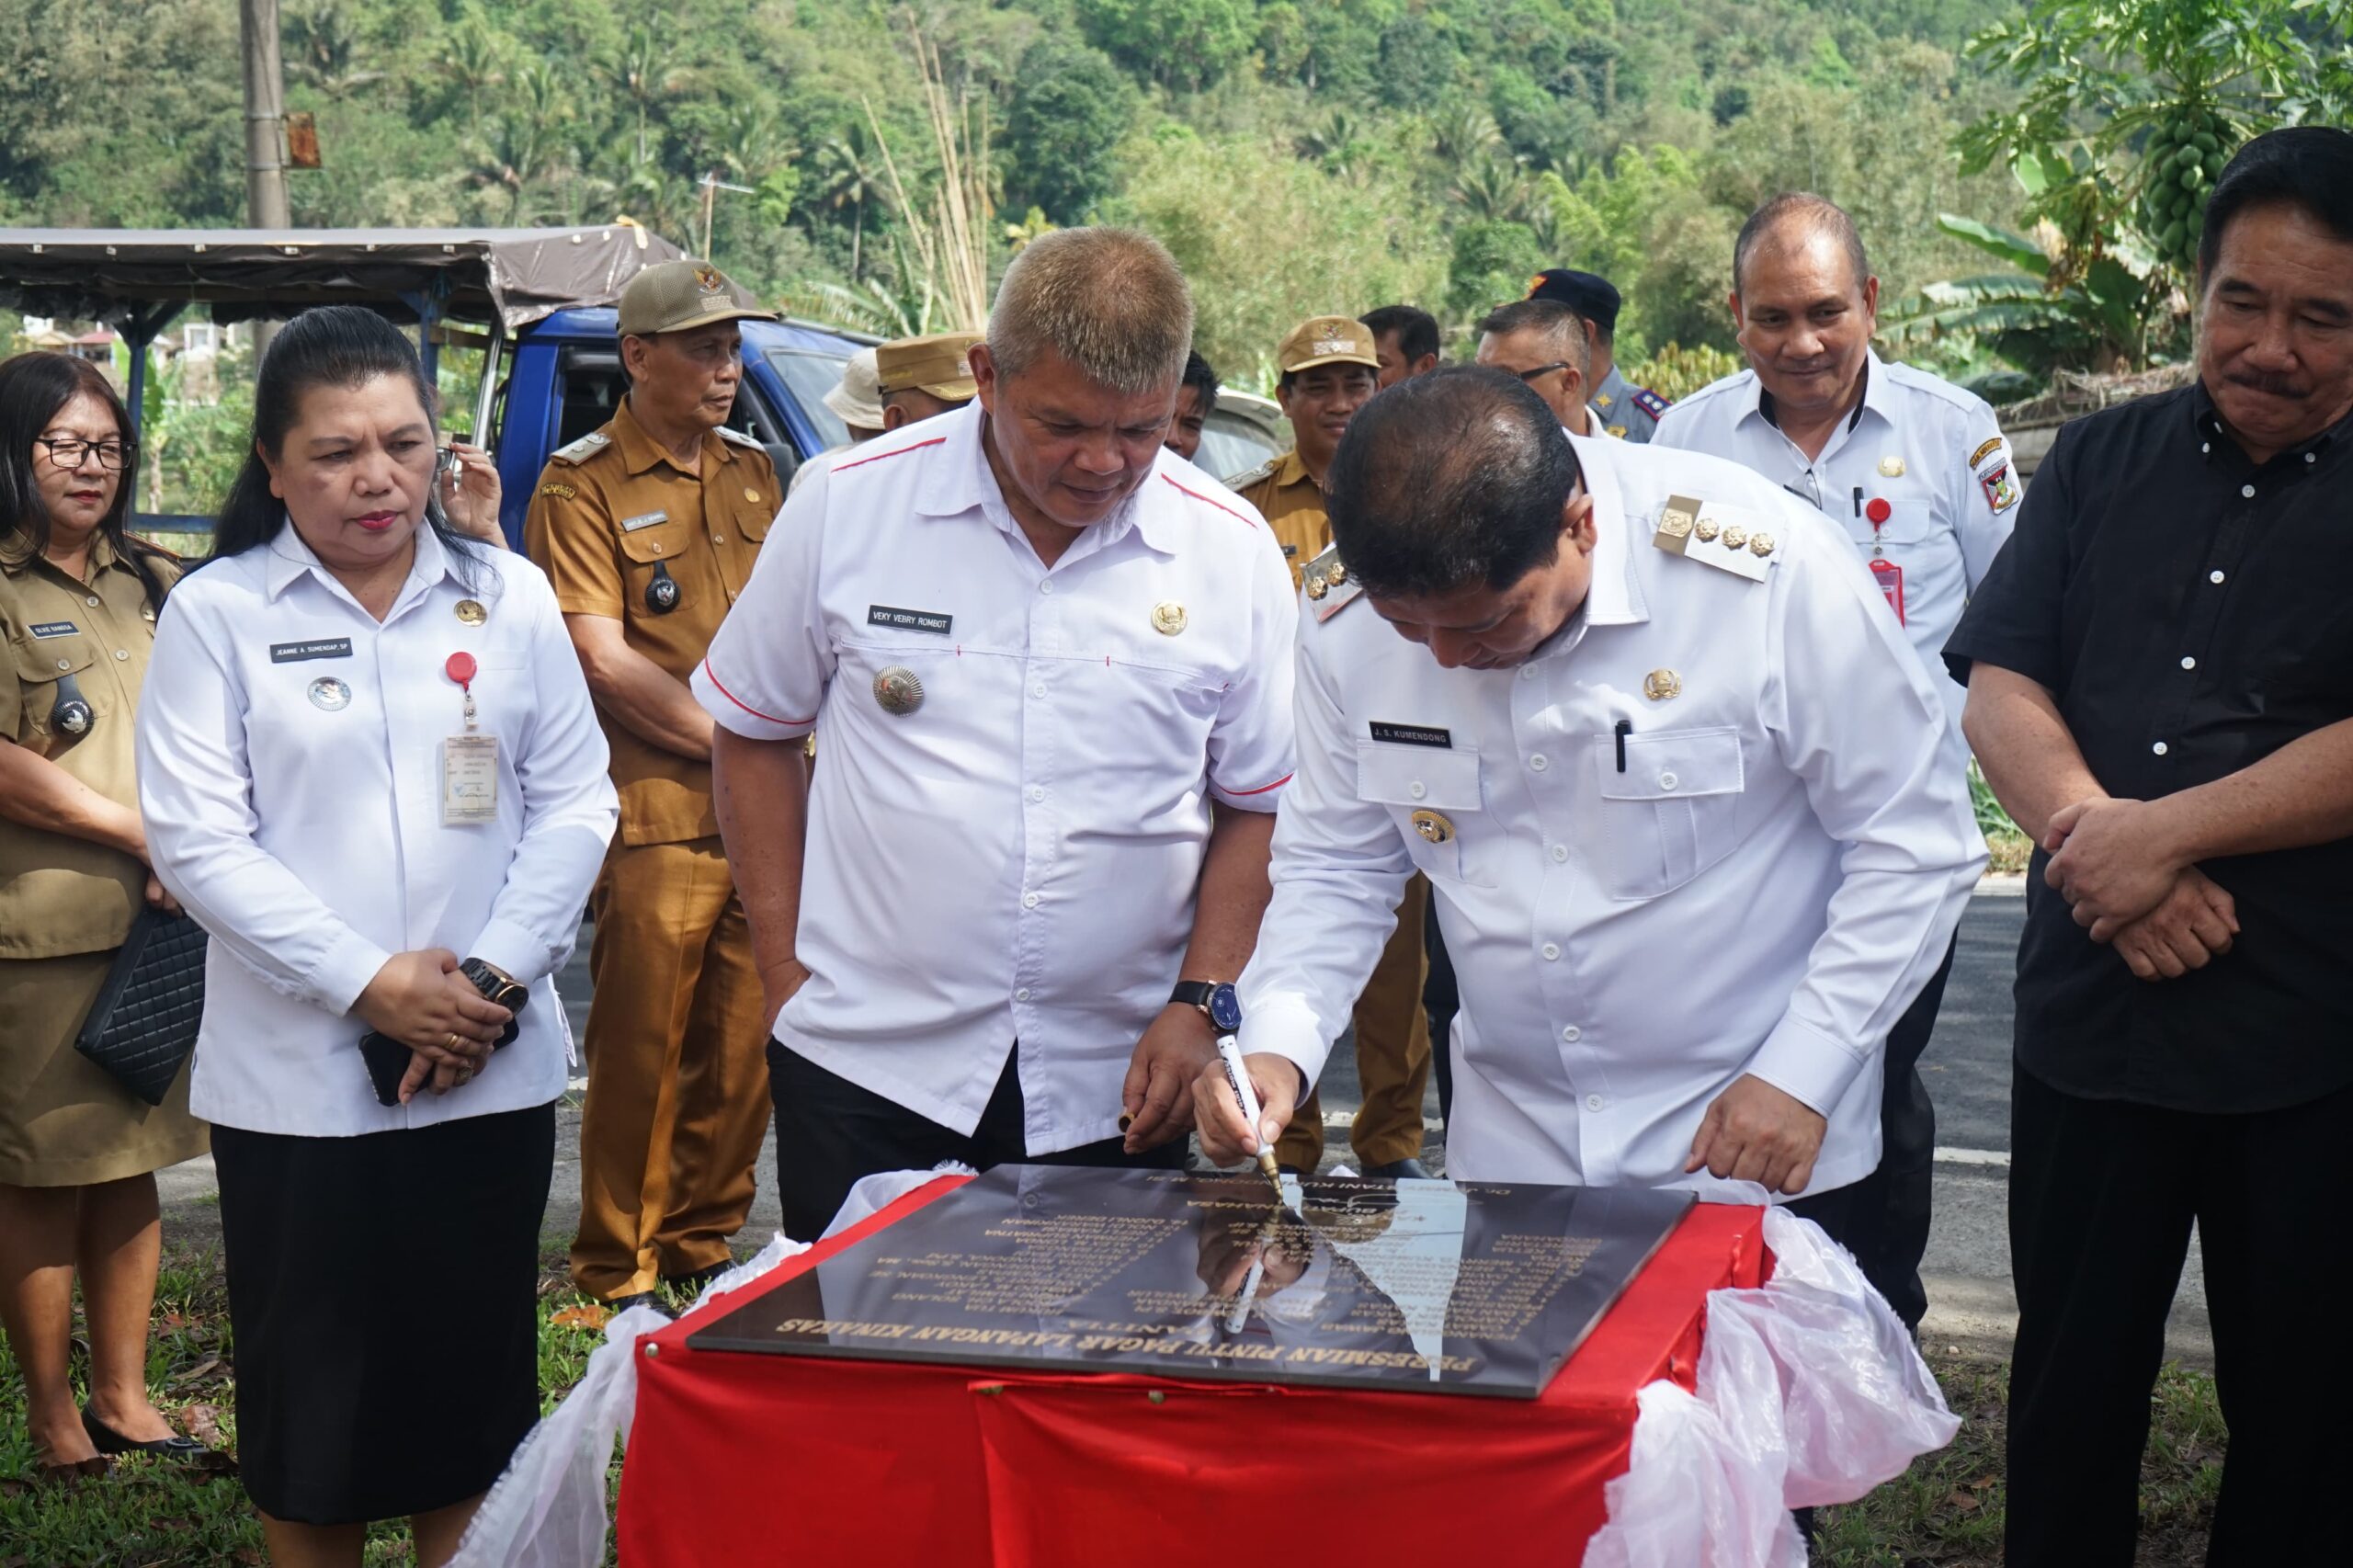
1449 1286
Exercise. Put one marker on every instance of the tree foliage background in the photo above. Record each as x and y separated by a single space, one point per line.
1297 156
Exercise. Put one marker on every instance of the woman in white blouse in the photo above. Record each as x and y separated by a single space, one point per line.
370 767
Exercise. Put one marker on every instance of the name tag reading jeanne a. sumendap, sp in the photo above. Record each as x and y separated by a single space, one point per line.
469 779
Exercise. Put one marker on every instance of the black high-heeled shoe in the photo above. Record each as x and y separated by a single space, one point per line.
106 1440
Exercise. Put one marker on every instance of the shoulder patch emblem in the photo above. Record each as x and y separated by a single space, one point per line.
1619 431
1987 450
1650 402
1325 582
729 433
2000 490
1726 537
587 447
561 492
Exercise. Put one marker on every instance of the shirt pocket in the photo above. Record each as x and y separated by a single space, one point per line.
648 551
1670 815
1431 792
41 665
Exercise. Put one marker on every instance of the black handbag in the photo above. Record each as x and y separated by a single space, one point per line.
142 1025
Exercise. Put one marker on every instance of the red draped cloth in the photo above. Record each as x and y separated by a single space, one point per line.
741 1459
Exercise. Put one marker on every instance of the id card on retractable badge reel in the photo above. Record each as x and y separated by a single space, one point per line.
469 759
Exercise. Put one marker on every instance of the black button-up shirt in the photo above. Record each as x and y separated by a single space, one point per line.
2192 613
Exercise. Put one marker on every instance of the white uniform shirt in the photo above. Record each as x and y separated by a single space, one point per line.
305 833
1950 500
1761 889
1016 857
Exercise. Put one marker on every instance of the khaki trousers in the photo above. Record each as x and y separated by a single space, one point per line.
1393 1054
678 1096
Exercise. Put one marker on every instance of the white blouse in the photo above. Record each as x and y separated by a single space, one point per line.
291 776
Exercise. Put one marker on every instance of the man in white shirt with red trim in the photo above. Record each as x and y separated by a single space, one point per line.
1053 663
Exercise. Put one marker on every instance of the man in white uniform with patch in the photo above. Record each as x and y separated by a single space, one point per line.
1917 473
1675 778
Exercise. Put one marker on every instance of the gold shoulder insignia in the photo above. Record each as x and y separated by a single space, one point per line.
1326 583
580 451
1250 476
1726 537
561 492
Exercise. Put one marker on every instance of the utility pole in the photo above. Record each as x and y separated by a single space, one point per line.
264 130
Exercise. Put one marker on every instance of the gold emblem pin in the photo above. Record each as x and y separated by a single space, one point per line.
1662 685
1760 544
1707 530
471 613
898 690
1168 617
1433 826
1735 537
1317 587
1891 467
751 495
1619 431
1336 574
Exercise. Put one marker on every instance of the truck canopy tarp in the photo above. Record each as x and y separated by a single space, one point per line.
515 274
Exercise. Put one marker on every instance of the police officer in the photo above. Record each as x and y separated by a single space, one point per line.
922 378
1626 409
648 528
1546 345
1915 472
1677 781
1329 365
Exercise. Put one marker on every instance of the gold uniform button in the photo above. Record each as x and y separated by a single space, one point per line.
1660 686
1433 826
751 495
1168 617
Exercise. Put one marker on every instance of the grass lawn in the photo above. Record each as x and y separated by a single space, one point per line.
1947 1511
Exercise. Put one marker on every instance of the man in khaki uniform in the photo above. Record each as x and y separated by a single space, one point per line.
648 528
1329 367
922 378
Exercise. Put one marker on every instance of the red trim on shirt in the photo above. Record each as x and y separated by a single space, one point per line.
1241 794
919 445
744 705
1208 501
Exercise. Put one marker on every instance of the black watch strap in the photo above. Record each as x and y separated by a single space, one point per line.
1193 993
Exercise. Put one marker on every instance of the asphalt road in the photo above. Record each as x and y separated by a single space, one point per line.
1968 1064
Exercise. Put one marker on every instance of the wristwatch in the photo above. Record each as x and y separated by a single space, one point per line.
1217 1001
496 985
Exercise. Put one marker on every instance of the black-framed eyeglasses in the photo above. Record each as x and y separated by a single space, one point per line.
1543 369
67 451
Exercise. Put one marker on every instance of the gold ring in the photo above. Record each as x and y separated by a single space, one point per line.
453 1045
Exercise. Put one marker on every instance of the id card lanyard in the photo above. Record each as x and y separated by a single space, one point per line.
469 760
1885 573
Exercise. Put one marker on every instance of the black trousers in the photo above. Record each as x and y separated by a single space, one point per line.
830 1132
1890 1231
1441 999
2102 1197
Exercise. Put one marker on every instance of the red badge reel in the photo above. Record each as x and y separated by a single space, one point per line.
462 668
1885 573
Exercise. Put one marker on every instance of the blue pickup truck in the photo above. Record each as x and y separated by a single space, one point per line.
563 379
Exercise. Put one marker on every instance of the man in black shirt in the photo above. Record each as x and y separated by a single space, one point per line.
2159 672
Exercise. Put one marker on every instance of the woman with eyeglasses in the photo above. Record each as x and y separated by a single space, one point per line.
78 1151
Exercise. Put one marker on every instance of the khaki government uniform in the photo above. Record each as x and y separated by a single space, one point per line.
677 1098
1393 1031
66 904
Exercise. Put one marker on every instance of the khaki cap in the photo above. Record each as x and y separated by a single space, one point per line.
672 296
936 364
1326 340
856 399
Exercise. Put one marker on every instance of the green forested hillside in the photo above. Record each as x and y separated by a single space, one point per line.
1300 155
